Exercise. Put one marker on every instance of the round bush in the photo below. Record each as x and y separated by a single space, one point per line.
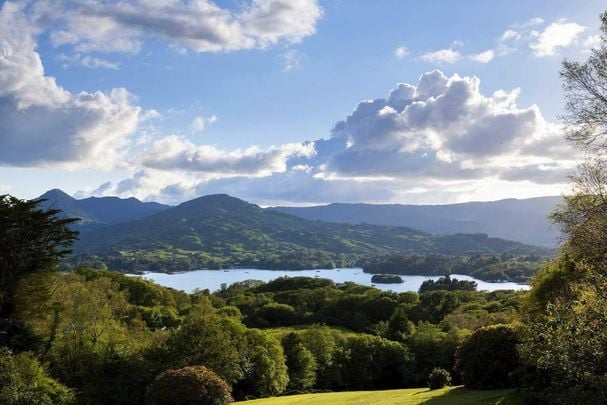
439 378
487 359
195 385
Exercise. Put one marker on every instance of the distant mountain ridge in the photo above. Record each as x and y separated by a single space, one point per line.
219 231
521 220
96 212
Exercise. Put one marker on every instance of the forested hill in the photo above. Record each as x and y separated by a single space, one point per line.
221 231
96 212
522 220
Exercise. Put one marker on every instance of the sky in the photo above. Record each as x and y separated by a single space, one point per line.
289 102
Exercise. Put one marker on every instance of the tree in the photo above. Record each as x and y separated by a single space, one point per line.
31 241
565 316
23 380
585 85
376 363
399 325
195 385
301 364
438 378
487 359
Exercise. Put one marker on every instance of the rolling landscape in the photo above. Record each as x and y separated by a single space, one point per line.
220 231
303 202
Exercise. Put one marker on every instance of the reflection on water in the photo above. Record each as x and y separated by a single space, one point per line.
212 279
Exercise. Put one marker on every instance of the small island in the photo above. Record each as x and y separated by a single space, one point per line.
387 279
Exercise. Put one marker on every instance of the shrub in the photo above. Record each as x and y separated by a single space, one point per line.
488 357
24 381
439 378
189 386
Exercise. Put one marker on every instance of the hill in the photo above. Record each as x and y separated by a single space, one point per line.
96 212
521 220
411 396
218 231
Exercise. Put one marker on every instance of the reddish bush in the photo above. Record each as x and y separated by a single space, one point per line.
195 385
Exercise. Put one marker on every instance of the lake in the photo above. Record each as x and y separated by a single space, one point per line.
212 279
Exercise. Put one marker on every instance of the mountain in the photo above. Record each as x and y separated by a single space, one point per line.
96 212
221 231
521 220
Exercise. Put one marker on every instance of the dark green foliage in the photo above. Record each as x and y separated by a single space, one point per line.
447 283
372 362
31 241
275 314
300 362
24 381
431 347
488 358
386 279
487 267
399 326
292 283
439 378
195 385
434 305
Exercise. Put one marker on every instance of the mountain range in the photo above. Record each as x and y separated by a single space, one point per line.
97 212
521 220
218 231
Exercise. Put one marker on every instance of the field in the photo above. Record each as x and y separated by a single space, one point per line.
451 395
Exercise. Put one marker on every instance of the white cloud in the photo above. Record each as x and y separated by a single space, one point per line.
199 123
41 123
557 35
176 153
88 62
443 128
401 52
483 57
442 56
150 114
199 25
593 41
292 60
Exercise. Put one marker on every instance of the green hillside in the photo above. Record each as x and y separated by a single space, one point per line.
221 231
451 395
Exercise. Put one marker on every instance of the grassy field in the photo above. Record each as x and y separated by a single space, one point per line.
451 395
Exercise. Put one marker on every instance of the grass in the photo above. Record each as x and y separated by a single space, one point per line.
449 395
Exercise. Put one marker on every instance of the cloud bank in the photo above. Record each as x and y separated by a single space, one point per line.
438 138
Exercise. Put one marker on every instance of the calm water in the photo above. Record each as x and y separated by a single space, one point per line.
212 279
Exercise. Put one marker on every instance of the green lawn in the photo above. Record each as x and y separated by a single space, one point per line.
451 395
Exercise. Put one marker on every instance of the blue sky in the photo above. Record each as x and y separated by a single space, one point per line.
244 98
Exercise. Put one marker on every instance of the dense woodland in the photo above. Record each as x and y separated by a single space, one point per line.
504 267
100 337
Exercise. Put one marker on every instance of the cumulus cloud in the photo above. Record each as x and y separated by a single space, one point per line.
442 56
198 25
557 35
442 127
41 123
